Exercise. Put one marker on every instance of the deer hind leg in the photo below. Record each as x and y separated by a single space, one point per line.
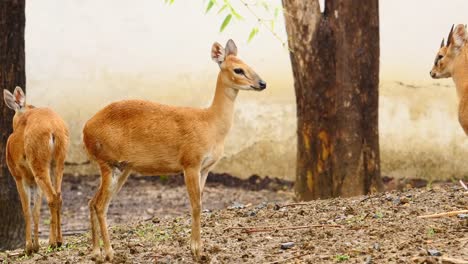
192 182
112 180
58 171
24 192
42 177
36 214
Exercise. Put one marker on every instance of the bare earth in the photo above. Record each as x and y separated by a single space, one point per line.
150 224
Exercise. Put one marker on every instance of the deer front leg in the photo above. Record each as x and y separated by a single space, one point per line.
24 194
192 181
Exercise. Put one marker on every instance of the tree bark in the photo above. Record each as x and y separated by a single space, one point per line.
335 62
12 73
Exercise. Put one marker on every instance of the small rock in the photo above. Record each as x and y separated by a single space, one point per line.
434 252
155 220
206 211
376 246
276 207
368 260
150 211
287 245
404 200
252 213
399 201
236 205
462 216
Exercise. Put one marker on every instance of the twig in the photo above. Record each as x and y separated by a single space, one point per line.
16 254
451 213
261 21
291 258
294 204
256 229
453 260
67 232
463 185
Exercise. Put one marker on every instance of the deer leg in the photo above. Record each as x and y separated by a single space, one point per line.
58 189
192 181
111 182
45 184
24 194
36 214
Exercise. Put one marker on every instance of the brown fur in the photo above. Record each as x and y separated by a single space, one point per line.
30 160
155 139
452 61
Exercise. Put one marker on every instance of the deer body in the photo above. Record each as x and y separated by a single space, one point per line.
36 149
452 61
156 139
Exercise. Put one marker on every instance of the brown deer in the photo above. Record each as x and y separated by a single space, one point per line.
452 61
156 139
35 155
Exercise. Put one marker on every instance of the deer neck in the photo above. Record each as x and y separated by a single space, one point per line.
222 107
460 75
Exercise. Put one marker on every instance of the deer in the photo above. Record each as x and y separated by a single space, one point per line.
35 156
156 139
452 62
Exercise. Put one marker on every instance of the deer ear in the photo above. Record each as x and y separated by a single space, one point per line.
217 53
458 36
20 98
10 100
231 48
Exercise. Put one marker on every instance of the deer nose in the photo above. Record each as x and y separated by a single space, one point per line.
262 84
432 74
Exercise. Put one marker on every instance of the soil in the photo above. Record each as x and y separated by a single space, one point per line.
149 223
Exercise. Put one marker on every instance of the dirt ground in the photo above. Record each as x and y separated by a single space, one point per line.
150 224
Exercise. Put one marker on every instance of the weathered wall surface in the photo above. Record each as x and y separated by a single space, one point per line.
82 55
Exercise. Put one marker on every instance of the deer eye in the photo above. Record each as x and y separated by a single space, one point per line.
239 71
438 58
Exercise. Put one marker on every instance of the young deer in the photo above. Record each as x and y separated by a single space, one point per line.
155 139
37 147
452 61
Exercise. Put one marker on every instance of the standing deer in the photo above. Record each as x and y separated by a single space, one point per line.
156 139
452 61
35 155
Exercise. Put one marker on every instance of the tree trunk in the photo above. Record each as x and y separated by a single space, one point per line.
335 62
12 73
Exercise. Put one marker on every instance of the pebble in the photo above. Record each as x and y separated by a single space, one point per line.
434 252
376 246
236 205
462 216
368 260
287 245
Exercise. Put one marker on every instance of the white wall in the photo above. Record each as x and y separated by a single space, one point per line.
81 55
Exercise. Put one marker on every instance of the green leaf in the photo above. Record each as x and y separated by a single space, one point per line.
265 5
276 12
237 15
171 2
272 25
253 33
209 6
222 9
226 21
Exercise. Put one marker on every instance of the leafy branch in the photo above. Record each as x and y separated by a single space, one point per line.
230 13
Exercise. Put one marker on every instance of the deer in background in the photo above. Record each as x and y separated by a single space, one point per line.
156 139
452 61
35 155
